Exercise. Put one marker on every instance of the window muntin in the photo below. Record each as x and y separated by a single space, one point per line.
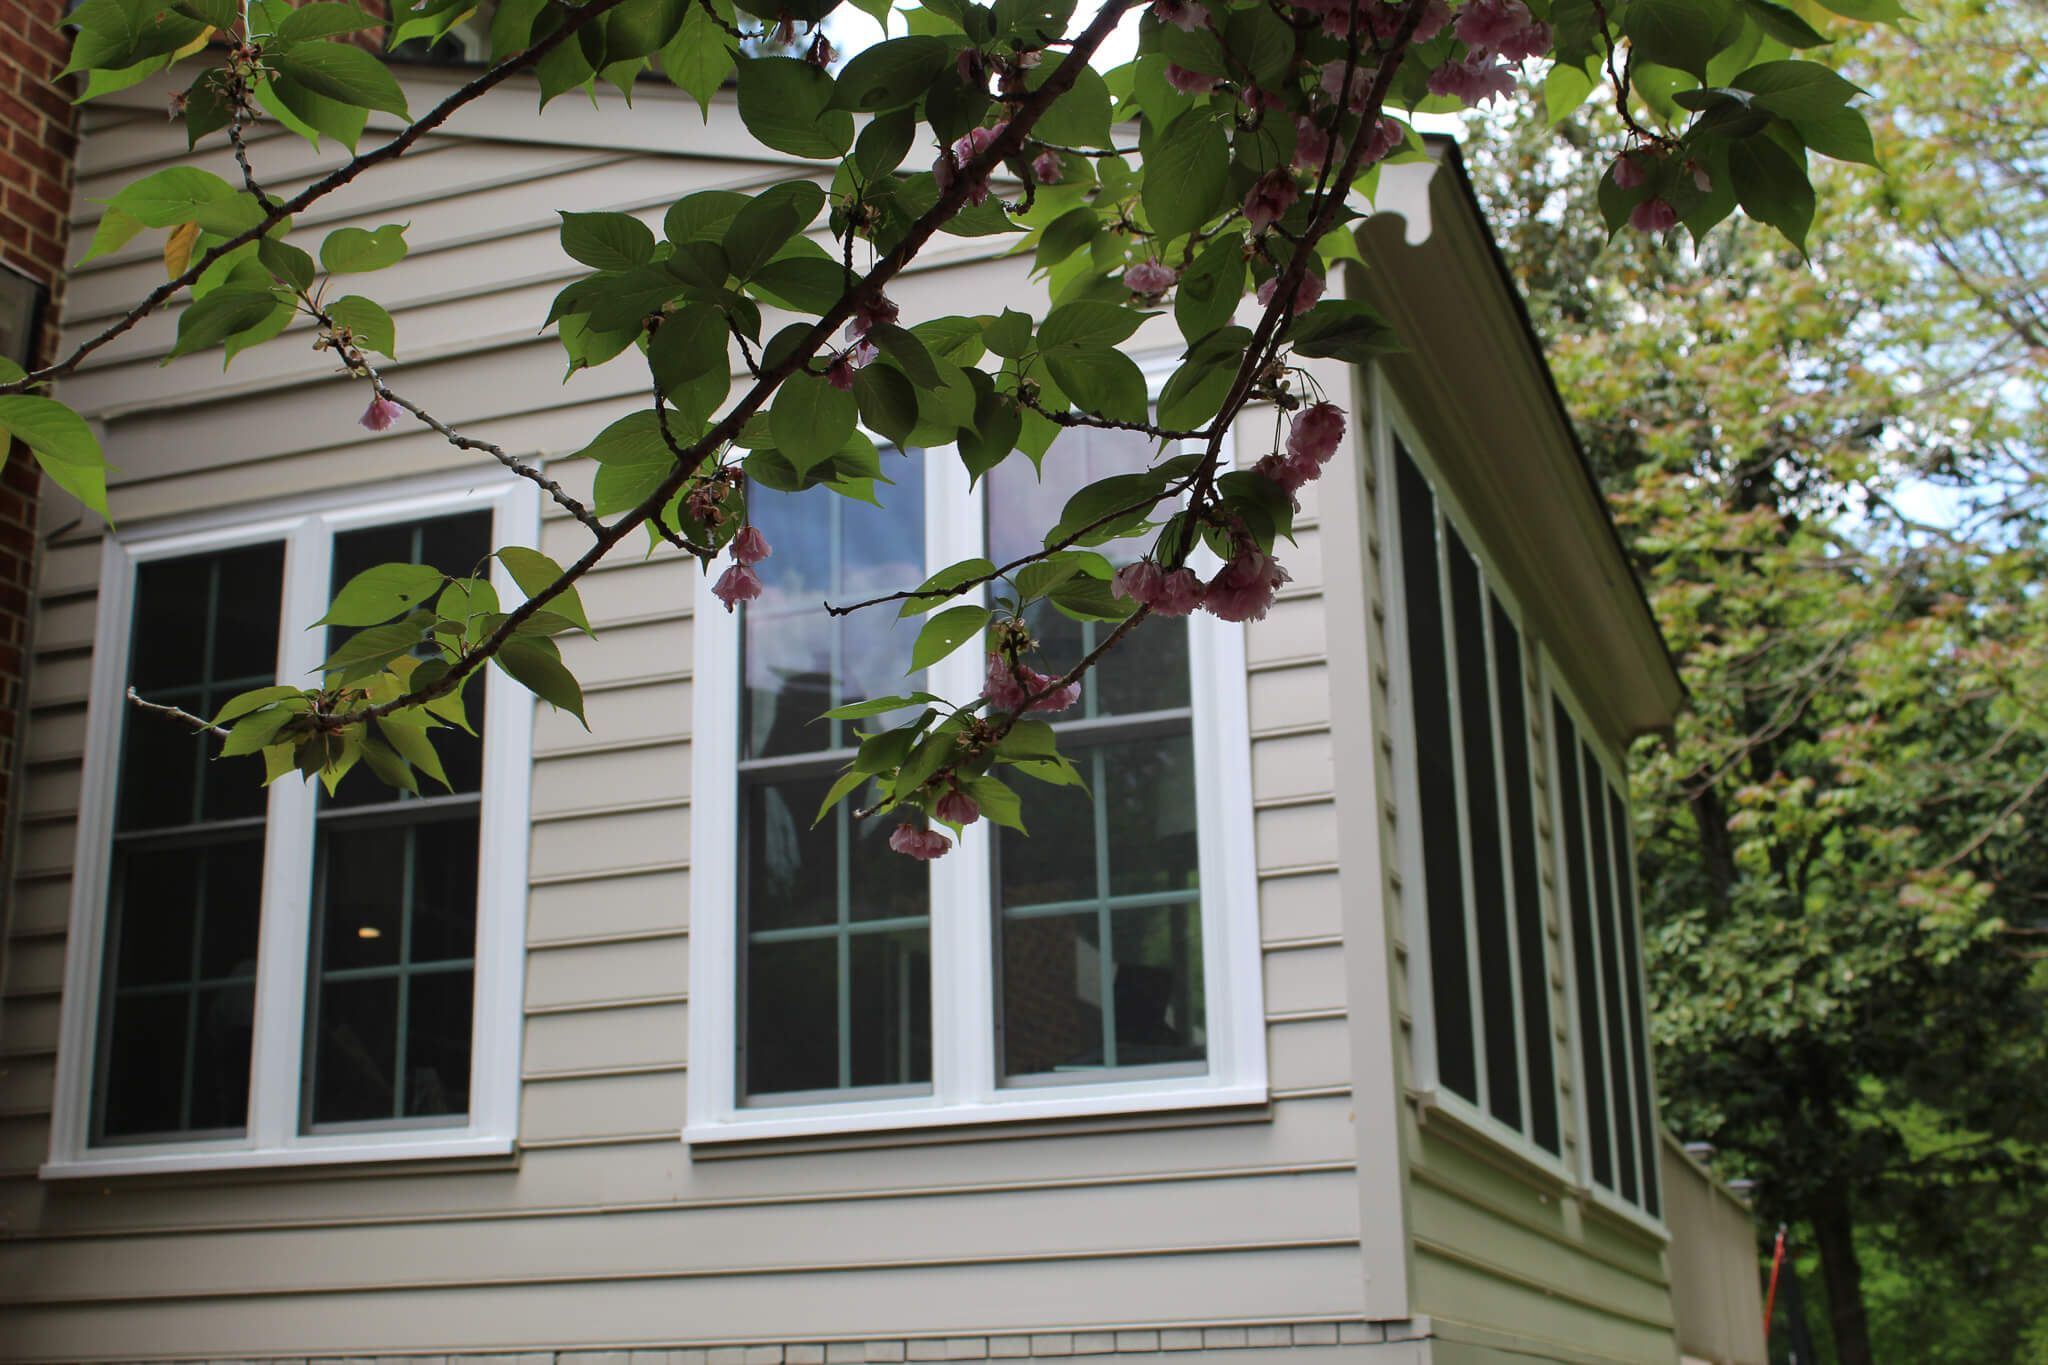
835 974
1480 913
1613 1045
297 546
390 999
178 996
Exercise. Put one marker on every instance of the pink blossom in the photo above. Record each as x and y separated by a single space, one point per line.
1388 136
1488 24
1047 168
1006 688
1174 593
1256 99
1189 82
1272 194
956 807
1653 215
1243 589
1532 42
1311 144
876 312
1305 294
736 585
1476 80
381 415
1286 471
1150 278
968 64
750 546
1386 19
921 844
1629 171
1185 15
955 158
1315 433
1703 182
839 374
1361 85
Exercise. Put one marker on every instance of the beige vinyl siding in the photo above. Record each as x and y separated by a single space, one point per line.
606 1229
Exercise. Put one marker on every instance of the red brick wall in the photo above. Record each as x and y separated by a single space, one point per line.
37 140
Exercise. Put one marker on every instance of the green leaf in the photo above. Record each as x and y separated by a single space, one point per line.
350 250
607 241
342 71
257 731
988 441
1772 187
1869 11
1104 502
408 737
62 444
909 352
366 653
890 74
211 320
1102 381
1840 133
786 104
944 584
171 196
1186 174
876 706
811 420
220 14
887 402
286 262
1784 24
319 115
1210 290
377 594
1681 34
840 788
689 345
1344 328
533 571
770 219
116 229
806 284
1195 393
1079 118
323 19
367 322
884 143
536 664
945 633
999 805
699 58
1796 90
115 34
1086 324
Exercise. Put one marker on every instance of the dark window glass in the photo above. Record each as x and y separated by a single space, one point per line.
1510 687
835 970
187 868
1483 839
393 954
1639 1056
1585 947
1436 783
1610 976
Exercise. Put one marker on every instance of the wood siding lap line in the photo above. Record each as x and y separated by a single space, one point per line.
1320 798
595 1073
762 1271
1286 661
1306 729
543 945
1283 871
1495 1270
613 746
605 874
1275 1018
1495 1209
1312 1092
617 1003
549 1212
603 812
1295 945
637 680
94 136
578 1143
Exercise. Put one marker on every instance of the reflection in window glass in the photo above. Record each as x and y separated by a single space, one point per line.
393 952
835 971
187 869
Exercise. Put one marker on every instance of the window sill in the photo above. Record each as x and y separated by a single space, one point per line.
753 1125
165 1161
1476 1129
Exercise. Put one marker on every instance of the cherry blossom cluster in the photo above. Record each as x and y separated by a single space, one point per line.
739 583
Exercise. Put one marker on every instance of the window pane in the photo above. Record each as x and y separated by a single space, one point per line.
1639 1064
1585 950
1538 1046
1436 782
438 1018
837 972
356 1049
799 659
1610 976
183 908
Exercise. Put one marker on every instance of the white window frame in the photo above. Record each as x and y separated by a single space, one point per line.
1616 772
1389 422
307 527
965 1086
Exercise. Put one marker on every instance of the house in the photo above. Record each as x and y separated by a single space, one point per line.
1320 1033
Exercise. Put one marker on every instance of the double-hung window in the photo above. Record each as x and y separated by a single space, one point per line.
1484 1038
1107 962
278 975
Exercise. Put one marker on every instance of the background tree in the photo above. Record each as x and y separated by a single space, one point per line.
1831 474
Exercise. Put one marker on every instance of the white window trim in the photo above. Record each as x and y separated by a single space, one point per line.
307 527
965 1088
1389 421
1613 768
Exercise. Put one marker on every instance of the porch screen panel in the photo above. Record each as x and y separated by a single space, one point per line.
1510 687
392 956
187 861
835 962
1573 836
1632 990
1615 1003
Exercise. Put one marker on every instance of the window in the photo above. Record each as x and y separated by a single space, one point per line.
1598 880
1484 1039
270 976
1107 963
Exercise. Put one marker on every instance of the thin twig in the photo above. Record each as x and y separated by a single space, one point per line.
1089 419
196 722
